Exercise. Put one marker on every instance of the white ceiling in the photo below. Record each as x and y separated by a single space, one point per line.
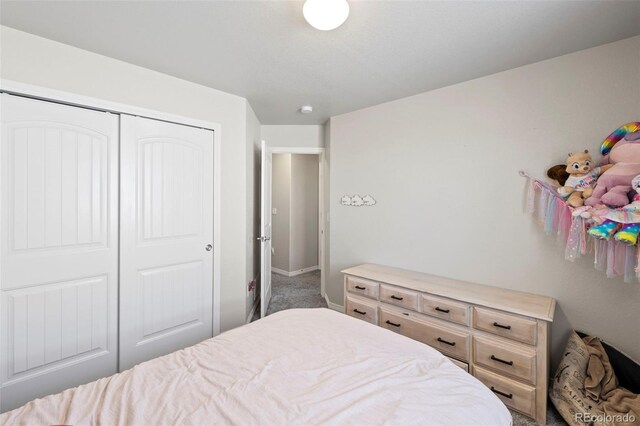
265 51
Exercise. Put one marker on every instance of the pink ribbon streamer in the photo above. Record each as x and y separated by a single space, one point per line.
531 196
612 257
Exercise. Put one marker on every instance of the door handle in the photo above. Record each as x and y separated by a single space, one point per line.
495 358
506 395
506 327
208 247
263 239
446 342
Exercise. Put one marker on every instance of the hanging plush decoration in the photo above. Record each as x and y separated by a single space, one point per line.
572 228
608 224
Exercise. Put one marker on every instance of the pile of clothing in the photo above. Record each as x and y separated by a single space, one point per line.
586 390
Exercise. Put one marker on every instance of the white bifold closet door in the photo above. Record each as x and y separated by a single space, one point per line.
59 254
166 238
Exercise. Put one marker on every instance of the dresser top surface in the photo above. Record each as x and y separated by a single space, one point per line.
531 305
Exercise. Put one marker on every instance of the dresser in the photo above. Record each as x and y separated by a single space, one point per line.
500 336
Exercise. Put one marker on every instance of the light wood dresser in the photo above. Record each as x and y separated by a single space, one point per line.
500 336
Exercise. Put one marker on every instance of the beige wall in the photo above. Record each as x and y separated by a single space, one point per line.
443 167
34 60
307 136
281 201
303 250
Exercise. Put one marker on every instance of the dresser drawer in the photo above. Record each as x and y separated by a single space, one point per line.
460 364
363 287
516 361
399 296
513 394
506 325
448 341
363 310
446 309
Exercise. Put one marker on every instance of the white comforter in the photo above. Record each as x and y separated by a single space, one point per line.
296 367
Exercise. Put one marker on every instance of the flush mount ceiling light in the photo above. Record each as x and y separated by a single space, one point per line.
306 109
325 14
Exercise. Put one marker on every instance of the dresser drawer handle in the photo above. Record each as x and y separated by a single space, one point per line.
439 309
392 323
393 296
360 288
506 327
506 395
441 340
495 358
359 312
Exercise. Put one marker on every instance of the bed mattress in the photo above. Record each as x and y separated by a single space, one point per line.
295 367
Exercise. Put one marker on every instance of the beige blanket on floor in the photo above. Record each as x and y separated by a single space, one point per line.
601 384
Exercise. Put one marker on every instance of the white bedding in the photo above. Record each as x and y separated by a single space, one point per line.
295 367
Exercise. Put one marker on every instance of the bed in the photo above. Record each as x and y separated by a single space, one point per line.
300 366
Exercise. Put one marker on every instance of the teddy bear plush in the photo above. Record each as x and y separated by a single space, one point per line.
614 186
582 178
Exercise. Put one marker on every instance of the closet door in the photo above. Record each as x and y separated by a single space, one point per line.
59 255
166 238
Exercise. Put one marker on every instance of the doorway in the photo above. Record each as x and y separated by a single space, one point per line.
294 208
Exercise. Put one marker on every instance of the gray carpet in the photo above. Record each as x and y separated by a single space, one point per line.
303 291
553 418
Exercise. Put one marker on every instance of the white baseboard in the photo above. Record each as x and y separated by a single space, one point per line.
294 273
334 306
280 271
253 310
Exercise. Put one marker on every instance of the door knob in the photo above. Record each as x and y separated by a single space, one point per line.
263 239
208 247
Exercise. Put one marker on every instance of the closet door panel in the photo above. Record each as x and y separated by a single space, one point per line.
59 253
166 294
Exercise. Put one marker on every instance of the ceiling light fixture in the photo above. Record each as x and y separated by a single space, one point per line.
325 15
306 109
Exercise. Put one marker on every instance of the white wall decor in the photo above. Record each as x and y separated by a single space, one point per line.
368 200
357 200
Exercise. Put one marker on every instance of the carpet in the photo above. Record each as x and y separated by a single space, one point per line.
553 418
301 291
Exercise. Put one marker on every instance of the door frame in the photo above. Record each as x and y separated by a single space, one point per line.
66 98
322 213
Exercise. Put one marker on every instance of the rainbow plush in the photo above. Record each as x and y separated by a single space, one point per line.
618 134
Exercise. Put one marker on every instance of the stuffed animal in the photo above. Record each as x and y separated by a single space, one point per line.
625 233
558 173
622 151
582 178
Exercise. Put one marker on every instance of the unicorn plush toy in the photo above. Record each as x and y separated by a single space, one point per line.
622 149
626 233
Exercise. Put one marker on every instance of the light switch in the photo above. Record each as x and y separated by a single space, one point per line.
274 211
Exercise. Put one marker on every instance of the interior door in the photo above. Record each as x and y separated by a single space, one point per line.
265 229
59 254
166 238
